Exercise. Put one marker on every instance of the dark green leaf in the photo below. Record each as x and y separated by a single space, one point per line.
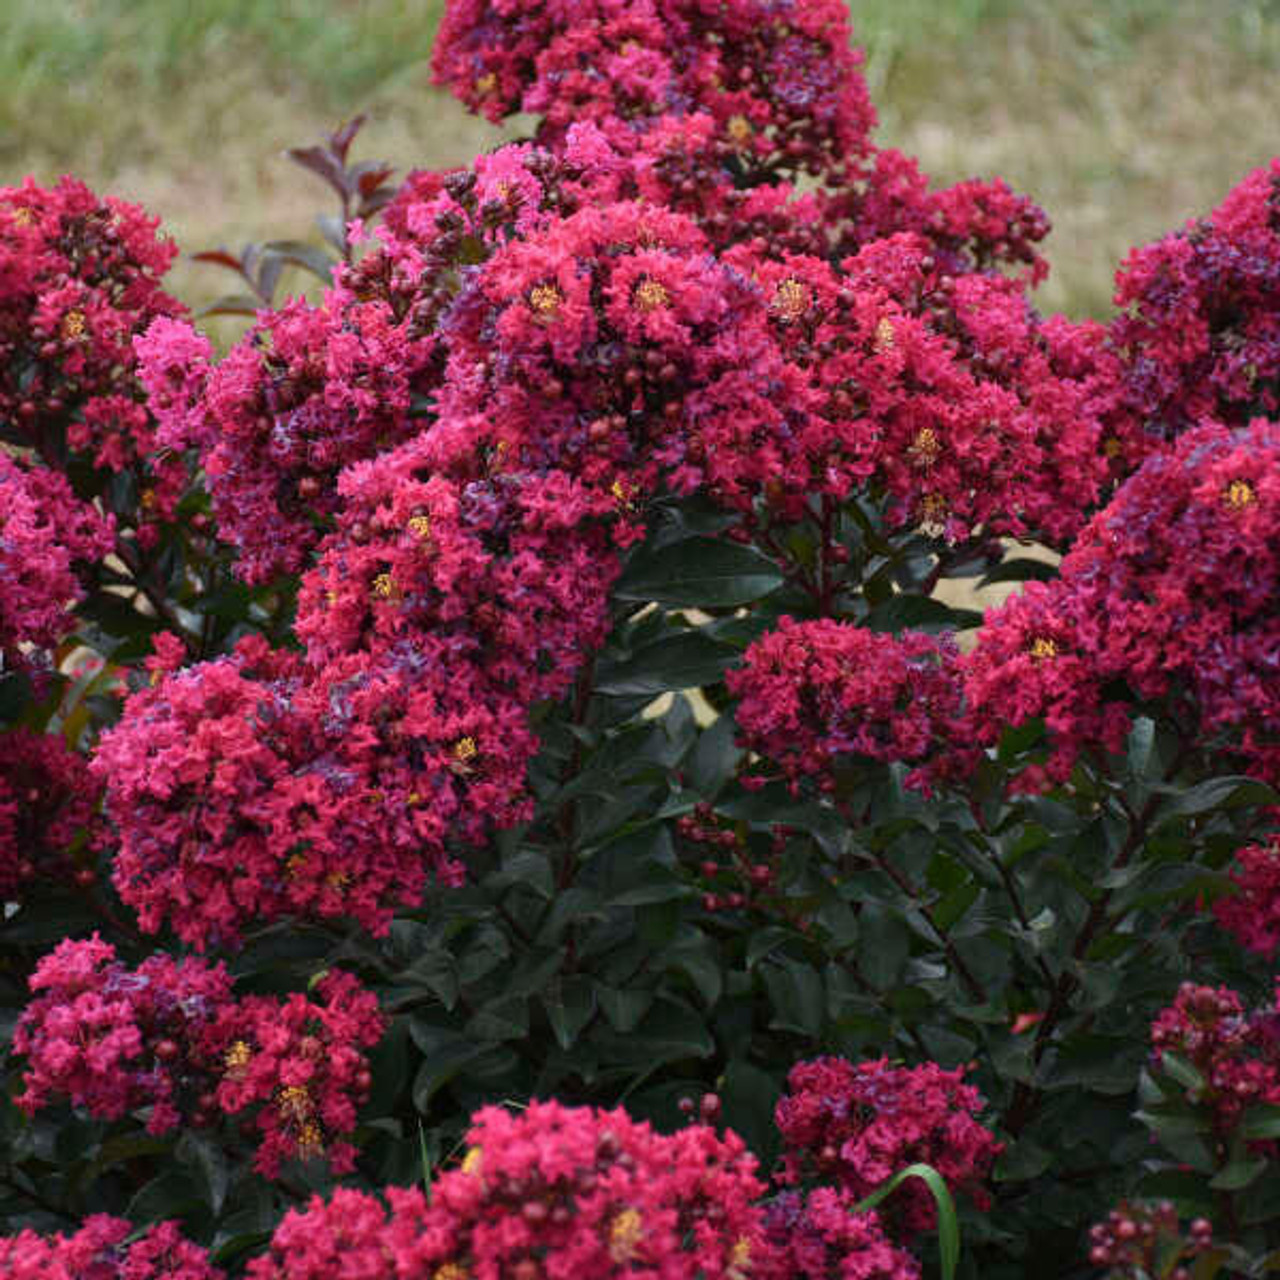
699 572
202 1151
1261 1123
795 995
683 661
883 944
625 1008
1216 793
922 613
1021 569
1239 1174
569 1003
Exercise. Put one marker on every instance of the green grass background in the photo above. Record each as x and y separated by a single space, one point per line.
1122 117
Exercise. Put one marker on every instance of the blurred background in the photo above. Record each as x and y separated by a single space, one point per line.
1123 118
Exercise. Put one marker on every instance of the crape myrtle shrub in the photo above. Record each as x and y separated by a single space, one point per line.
360 825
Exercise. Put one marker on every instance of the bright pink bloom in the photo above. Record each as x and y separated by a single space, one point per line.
554 1191
816 694
859 1125
1199 326
98 1252
47 535
1252 913
818 1236
79 279
111 1040
1168 594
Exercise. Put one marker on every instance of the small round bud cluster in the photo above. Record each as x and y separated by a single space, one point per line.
48 811
739 883
707 1110
1146 1240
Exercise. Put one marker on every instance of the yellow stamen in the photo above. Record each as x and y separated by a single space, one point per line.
24 217
545 299
933 510
420 526
739 130
383 586
650 295
486 84
741 1255
1042 648
295 1103
1111 447
237 1057
73 324
925 447
625 1232
310 1140
465 749
337 880
471 1161
295 865
148 499
884 335
791 299
451 1271
1239 494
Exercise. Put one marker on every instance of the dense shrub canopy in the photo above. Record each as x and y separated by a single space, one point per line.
500 723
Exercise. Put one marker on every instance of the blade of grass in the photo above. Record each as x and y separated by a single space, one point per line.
948 1223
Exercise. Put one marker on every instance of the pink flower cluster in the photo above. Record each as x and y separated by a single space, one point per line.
1168 594
819 1236
196 778
1238 1055
715 111
46 533
1199 330
455 447
48 810
777 82
1252 913
101 1250
815 694
857 1125
302 1063
111 1039
309 390
79 278
170 1036
550 1193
